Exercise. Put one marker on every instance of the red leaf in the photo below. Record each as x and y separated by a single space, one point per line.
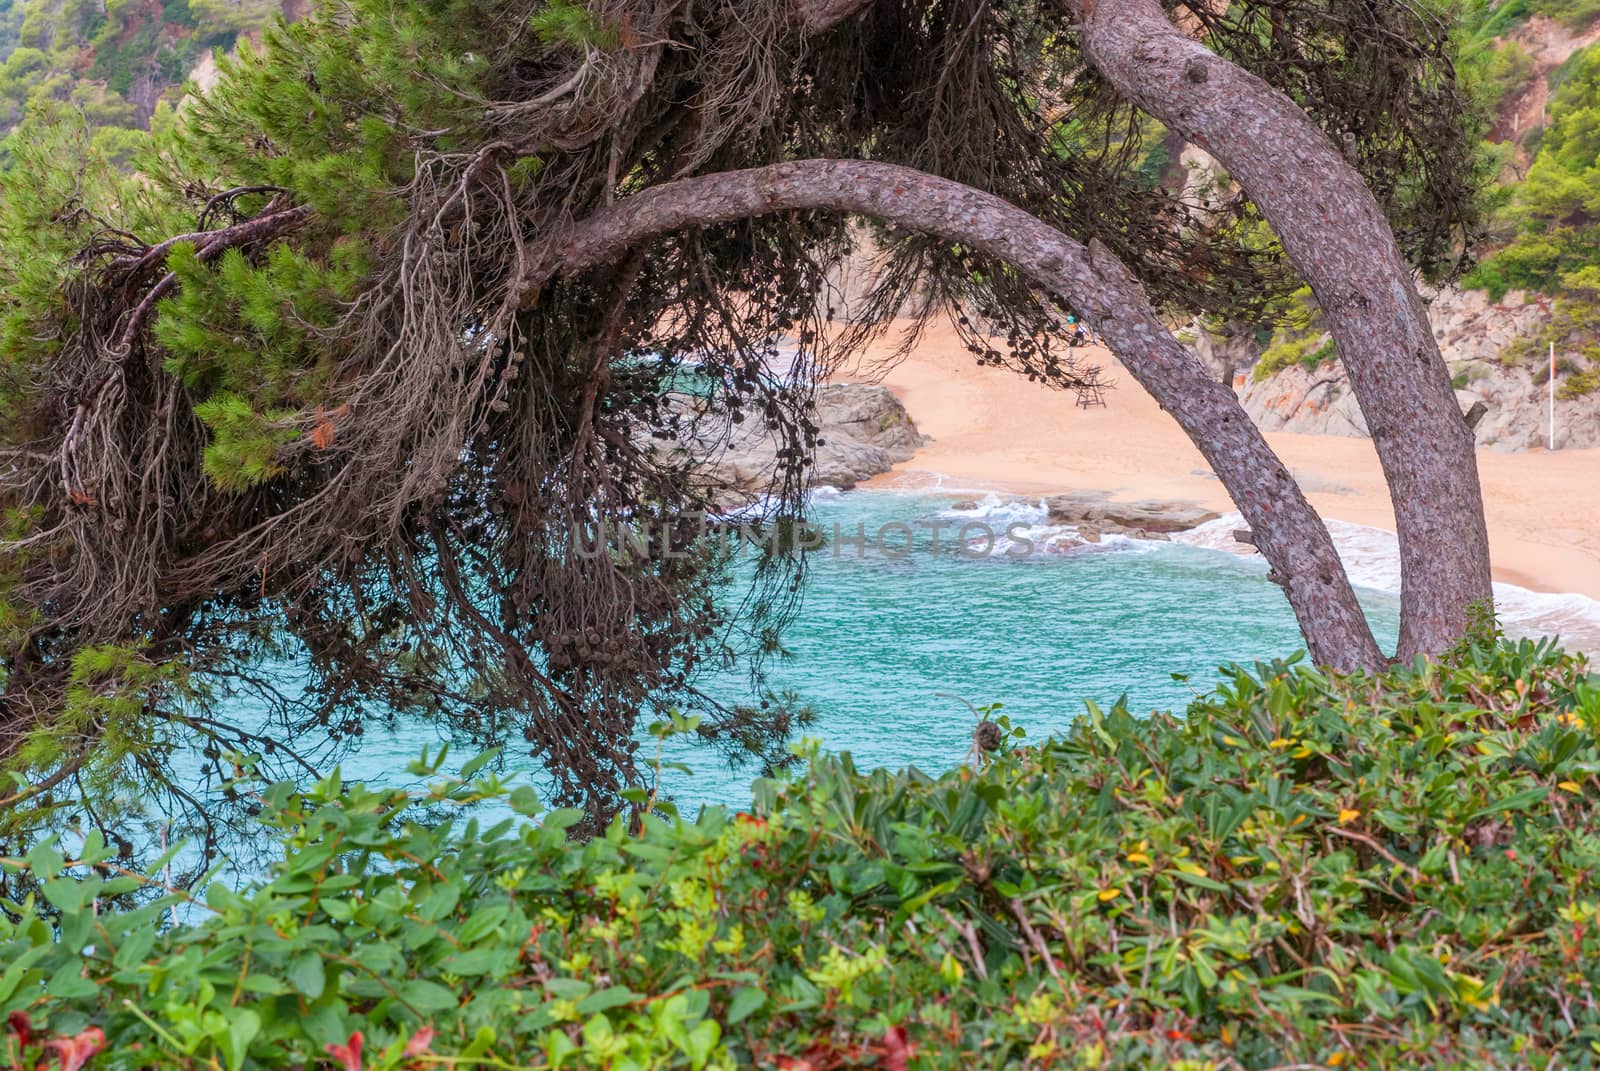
348 1054
419 1042
897 1049
76 1050
21 1026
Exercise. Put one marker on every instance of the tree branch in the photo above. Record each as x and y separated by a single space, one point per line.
1093 281
818 16
1340 242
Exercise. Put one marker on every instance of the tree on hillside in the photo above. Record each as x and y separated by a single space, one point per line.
388 319
234 17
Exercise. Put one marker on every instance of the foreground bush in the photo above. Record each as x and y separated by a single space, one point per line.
1299 872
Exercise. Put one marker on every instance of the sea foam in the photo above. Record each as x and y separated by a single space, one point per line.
1372 559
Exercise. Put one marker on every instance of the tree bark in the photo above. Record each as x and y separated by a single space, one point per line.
1339 240
818 16
1287 530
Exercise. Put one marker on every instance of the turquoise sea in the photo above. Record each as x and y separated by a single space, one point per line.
897 641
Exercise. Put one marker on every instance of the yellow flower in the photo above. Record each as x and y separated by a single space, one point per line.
1107 895
1280 743
1138 857
1346 816
1336 1059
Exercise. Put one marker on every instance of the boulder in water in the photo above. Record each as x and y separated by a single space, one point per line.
1145 518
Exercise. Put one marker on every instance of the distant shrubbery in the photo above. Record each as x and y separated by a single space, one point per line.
1300 338
1552 212
118 61
1301 871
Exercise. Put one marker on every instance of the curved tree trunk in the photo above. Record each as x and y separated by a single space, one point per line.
1339 240
1287 530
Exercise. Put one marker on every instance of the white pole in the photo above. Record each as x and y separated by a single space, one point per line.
1552 396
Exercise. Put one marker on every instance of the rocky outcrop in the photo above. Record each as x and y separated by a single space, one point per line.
864 431
1469 327
1476 336
1310 401
1095 512
1546 44
870 415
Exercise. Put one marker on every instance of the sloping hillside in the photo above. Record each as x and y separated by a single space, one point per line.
119 61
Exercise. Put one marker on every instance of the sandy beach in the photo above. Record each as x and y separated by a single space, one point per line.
994 431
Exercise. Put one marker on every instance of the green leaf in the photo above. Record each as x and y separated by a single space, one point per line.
243 1026
564 818
478 961
478 762
1517 802
701 1042
525 801
605 999
1197 879
68 982
428 997
308 975
568 988
483 922
747 1000
44 860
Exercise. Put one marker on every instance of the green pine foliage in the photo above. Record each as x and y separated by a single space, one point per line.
244 336
247 338
564 22
1301 871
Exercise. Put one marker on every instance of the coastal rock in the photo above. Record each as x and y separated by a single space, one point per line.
870 415
1307 401
864 431
1146 518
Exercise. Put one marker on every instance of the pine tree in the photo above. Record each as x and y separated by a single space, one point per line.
390 317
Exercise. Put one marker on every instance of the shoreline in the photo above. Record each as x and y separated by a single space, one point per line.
993 431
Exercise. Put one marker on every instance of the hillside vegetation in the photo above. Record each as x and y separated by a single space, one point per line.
118 61
1534 70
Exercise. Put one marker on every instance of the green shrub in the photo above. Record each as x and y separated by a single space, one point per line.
1300 871
1574 14
1298 337
1579 384
1304 351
